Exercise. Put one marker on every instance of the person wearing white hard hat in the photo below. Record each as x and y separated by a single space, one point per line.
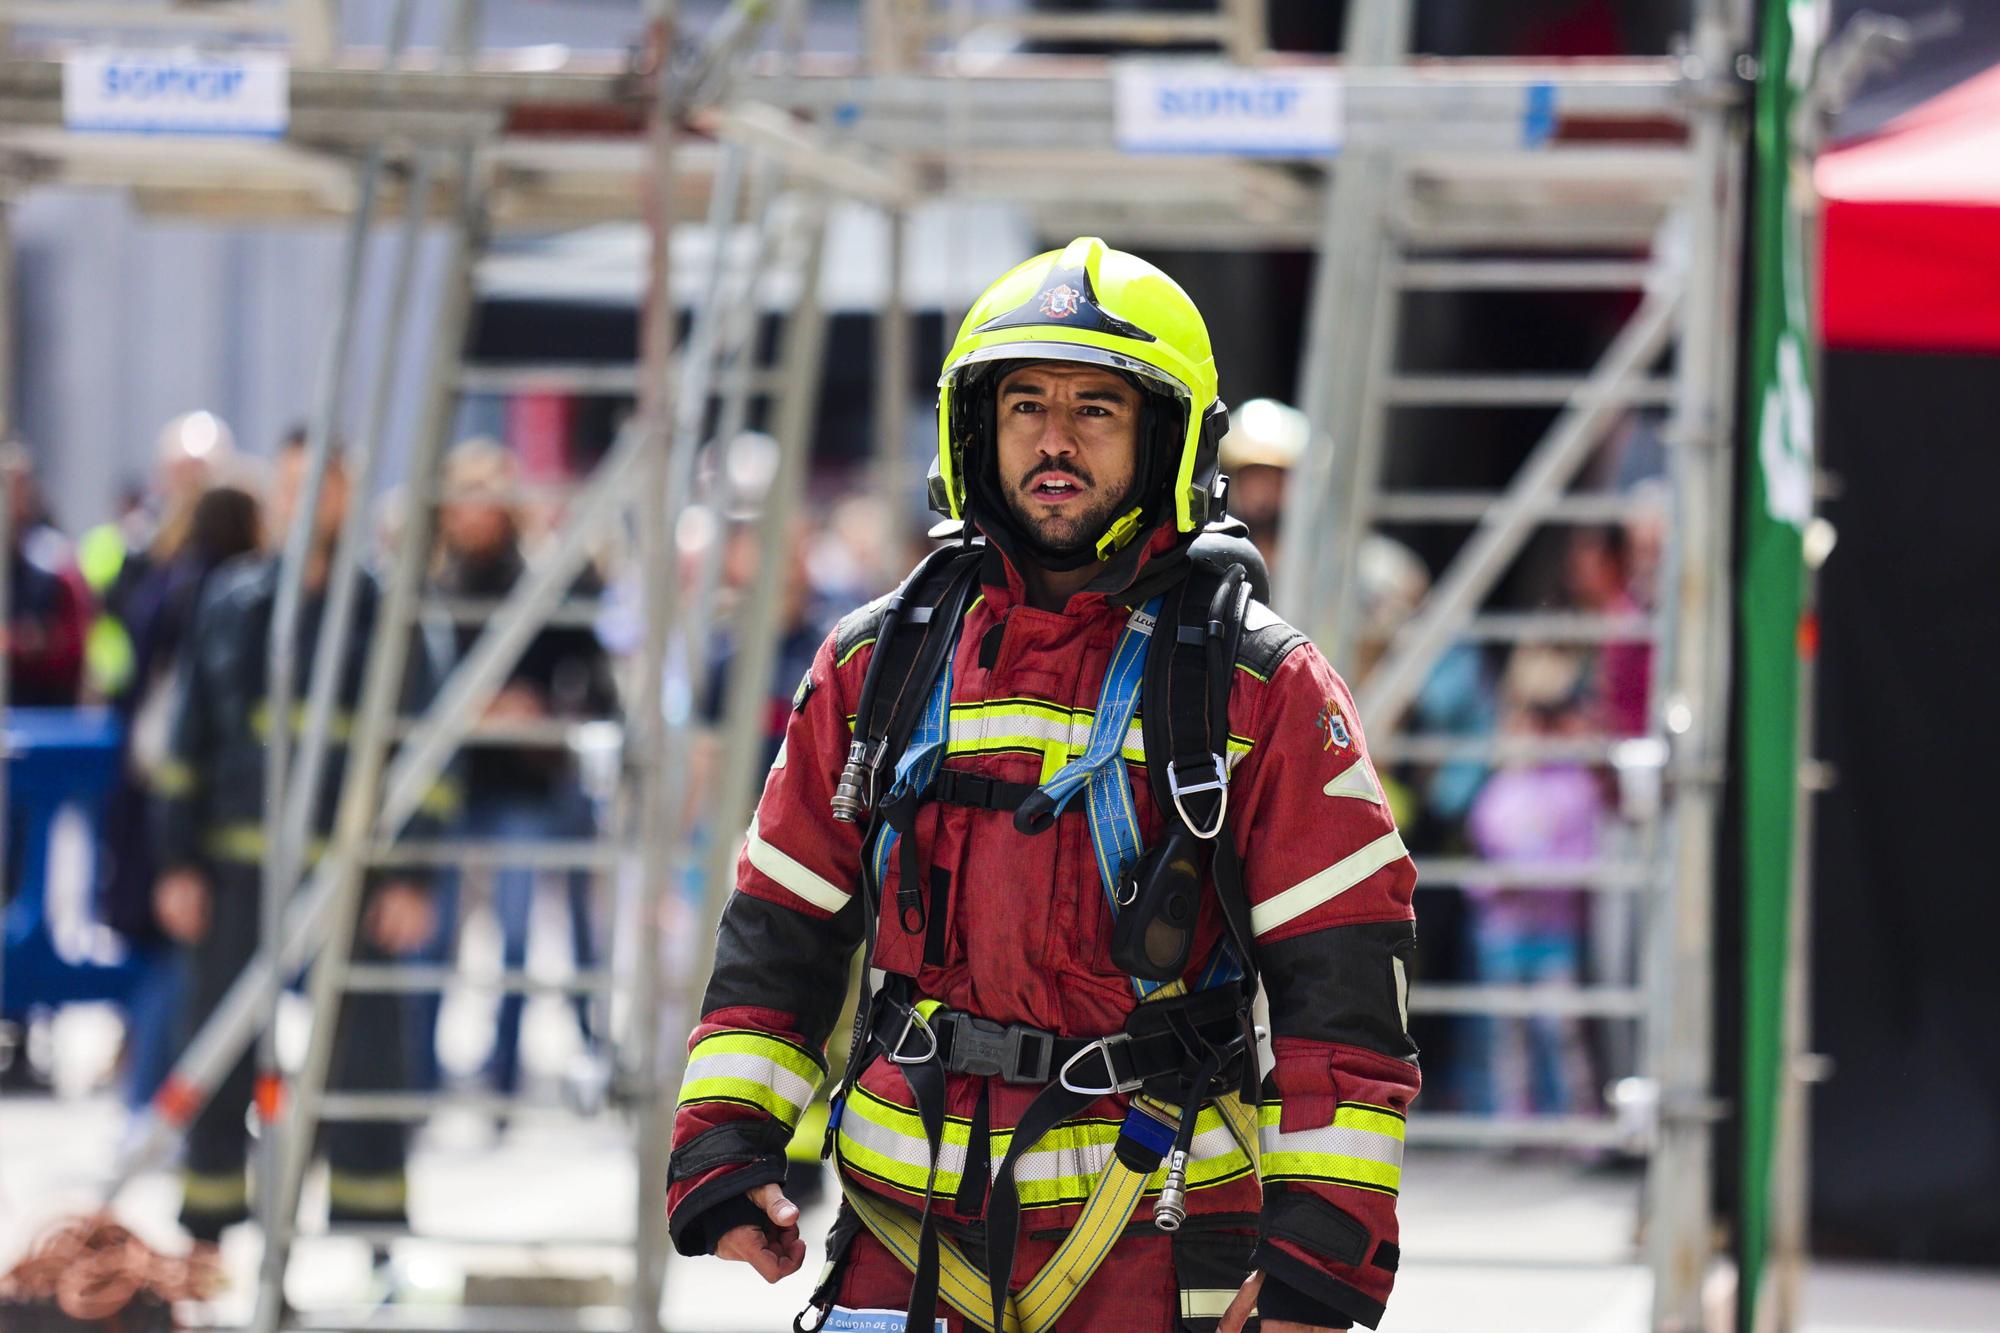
1265 439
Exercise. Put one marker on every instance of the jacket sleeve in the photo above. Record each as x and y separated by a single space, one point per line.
176 785
781 971
1329 884
424 672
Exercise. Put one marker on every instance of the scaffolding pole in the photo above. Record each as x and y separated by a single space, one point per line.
285 835
1346 334
658 403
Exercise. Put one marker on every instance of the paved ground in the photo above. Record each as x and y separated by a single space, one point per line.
1568 1231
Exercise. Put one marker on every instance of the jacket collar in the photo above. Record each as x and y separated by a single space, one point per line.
1127 579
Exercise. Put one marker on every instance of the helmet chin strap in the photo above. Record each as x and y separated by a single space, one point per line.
997 521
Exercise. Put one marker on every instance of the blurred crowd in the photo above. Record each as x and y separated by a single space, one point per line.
162 620
1529 784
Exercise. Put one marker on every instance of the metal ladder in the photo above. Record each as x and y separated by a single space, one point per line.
717 376
644 481
1403 219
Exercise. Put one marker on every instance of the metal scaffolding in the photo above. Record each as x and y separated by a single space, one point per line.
1437 188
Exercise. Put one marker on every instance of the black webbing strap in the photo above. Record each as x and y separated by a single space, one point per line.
940 634
957 787
1053 1105
895 652
926 1082
1186 718
913 694
1179 693
1228 606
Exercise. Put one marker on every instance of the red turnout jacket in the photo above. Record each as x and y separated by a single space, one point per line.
1025 939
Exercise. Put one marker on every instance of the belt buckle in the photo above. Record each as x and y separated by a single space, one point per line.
981 1046
977 787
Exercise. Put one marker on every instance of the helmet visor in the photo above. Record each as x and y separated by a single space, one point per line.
1062 351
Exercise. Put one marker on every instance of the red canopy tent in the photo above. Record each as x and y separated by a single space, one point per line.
1911 257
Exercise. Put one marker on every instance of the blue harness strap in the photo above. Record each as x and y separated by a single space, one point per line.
1099 774
919 763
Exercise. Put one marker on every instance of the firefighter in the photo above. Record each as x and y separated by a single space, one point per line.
1054 1117
209 840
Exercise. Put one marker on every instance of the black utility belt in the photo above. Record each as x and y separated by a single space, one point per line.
1162 1041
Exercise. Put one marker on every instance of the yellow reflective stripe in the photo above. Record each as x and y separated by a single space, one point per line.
963 1285
800 880
1057 734
386 1193
1363 1147
340 722
214 1192
172 779
1375 1119
1206 1302
246 842
748 1092
887 1143
1327 885
1243 1126
1106 1210
849 654
786 1055
754 1069
442 800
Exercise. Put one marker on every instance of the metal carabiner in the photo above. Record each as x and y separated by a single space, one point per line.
1100 1047
915 1020
1219 783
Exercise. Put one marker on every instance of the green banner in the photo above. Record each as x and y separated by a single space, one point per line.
1772 602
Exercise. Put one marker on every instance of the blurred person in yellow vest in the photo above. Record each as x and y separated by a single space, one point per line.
192 451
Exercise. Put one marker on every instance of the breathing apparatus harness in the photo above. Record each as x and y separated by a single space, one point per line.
1186 1038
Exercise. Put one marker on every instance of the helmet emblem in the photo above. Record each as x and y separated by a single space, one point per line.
1061 302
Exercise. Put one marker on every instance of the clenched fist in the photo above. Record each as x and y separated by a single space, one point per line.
774 1250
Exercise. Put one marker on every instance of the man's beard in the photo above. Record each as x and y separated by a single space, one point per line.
1064 533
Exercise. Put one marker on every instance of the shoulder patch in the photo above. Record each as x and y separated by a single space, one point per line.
858 627
1267 641
803 692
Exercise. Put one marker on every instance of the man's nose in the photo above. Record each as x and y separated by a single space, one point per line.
1058 437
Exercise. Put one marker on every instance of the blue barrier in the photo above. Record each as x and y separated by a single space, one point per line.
57 758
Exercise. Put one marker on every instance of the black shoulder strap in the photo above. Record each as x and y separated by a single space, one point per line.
889 667
1185 721
933 598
